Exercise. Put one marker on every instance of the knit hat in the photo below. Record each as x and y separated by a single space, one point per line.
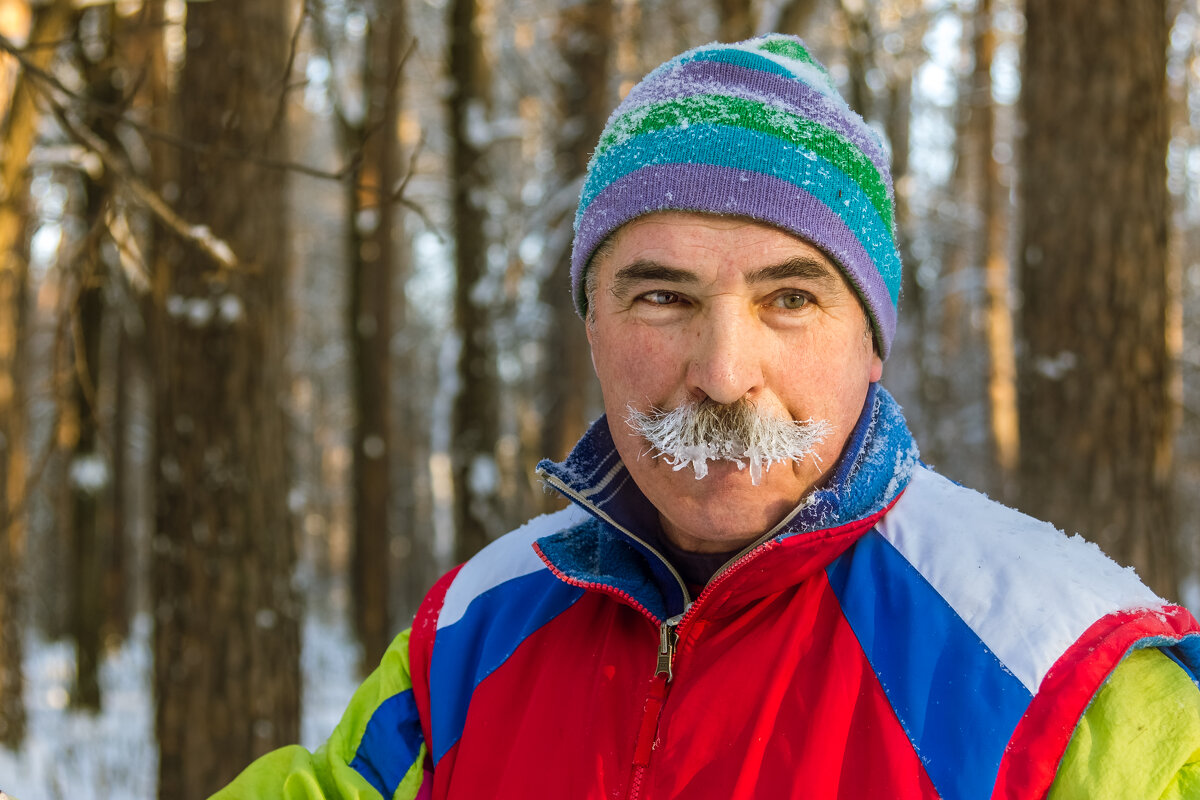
754 129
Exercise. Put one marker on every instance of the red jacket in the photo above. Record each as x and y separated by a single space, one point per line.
897 637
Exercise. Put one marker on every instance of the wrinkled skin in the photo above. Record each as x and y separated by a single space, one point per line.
692 306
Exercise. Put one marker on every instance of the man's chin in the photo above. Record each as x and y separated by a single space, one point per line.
728 473
725 499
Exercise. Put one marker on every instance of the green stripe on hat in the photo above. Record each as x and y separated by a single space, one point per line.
789 48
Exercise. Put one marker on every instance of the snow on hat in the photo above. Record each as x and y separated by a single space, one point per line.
754 129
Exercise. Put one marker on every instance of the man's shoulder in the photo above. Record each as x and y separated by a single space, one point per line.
507 567
1024 587
938 519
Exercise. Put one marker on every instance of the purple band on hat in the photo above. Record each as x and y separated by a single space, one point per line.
726 190
703 77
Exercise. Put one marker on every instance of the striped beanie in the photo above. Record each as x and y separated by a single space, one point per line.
754 129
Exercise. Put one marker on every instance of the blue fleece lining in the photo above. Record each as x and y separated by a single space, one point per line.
595 552
877 464
633 568
594 457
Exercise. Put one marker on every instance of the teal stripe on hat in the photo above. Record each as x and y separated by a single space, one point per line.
755 115
754 151
740 58
810 73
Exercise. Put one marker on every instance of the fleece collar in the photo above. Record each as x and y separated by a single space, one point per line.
611 551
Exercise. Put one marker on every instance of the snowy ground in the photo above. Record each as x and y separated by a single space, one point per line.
111 756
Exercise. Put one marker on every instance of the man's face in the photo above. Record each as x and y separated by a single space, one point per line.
692 306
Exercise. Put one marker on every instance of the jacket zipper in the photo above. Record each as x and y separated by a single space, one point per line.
660 684
579 500
668 636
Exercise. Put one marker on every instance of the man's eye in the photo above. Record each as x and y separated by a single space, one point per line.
792 300
660 298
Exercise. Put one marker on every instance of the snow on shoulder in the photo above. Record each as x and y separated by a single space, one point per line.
1008 575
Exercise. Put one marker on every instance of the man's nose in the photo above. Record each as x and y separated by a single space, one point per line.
726 360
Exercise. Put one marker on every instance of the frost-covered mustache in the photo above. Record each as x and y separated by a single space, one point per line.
696 433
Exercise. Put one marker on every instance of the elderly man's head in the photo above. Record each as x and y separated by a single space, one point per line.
735 258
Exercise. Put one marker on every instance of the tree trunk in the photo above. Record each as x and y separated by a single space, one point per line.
737 21
116 573
413 504
474 422
1002 365
88 475
570 388
226 649
372 267
1096 416
860 55
790 17
90 470
143 57
954 281
49 24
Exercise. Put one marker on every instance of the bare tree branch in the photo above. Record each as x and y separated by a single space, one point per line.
199 235
118 113
281 108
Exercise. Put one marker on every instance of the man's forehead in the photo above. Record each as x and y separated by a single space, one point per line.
659 246
805 267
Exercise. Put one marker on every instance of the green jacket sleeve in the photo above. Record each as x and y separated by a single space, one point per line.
338 769
1140 737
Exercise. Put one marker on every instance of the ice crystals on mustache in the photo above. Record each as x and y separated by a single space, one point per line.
696 433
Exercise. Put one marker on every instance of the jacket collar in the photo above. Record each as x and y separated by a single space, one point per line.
611 552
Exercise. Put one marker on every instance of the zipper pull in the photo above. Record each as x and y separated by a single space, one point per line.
667 639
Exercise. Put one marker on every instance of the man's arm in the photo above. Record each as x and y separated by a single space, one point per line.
1140 737
376 752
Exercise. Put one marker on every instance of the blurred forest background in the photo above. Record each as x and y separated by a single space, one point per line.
285 321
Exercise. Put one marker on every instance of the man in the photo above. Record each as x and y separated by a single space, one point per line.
758 591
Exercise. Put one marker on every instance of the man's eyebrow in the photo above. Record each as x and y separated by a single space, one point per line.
807 268
640 271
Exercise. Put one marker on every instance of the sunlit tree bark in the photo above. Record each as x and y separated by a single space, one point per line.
1096 413
17 134
1002 366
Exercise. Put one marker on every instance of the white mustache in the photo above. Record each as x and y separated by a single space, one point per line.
696 433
